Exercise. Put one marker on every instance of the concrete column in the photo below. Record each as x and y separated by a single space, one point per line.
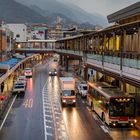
114 42
67 63
121 49
139 40
61 60
125 46
85 73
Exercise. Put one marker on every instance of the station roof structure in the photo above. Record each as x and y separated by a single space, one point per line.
39 41
128 12
10 62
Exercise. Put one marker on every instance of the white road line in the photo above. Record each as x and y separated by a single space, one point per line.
104 129
43 97
88 108
50 116
8 112
58 113
95 117
83 102
49 134
48 111
51 102
49 127
49 121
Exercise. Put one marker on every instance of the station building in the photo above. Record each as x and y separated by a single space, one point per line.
113 52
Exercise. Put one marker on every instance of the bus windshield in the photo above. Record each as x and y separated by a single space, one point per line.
84 87
68 93
121 107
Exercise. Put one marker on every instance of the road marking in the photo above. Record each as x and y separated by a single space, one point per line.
49 127
50 116
28 103
8 112
83 102
54 113
49 121
95 117
104 129
48 111
49 134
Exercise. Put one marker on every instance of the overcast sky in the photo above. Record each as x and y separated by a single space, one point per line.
103 7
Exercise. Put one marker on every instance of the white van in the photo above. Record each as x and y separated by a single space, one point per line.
82 89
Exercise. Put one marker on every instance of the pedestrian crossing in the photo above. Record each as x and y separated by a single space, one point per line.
54 125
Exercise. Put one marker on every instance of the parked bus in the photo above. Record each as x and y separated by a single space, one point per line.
113 106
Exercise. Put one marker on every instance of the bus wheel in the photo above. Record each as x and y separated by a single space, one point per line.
103 117
92 106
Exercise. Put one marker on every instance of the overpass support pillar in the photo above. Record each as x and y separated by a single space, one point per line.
85 73
66 63
61 60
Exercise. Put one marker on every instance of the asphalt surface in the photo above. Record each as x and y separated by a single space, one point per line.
38 116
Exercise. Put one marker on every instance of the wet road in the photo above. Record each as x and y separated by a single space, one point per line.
81 125
38 116
25 121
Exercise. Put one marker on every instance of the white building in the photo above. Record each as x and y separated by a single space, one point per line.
20 31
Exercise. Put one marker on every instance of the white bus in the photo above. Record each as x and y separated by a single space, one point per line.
113 106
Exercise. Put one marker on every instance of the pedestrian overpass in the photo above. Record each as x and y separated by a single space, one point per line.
44 46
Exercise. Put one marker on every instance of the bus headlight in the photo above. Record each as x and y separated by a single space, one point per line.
64 101
114 124
131 124
74 101
135 121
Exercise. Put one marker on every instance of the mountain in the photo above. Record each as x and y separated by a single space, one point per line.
11 11
68 10
52 17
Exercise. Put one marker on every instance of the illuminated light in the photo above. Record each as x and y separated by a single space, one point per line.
122 100
19 46
114 124
135 121
64 101
132 124
74 101
100 101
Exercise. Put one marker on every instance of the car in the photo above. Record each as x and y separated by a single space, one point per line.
82 89
3 97
28 72
19 87
53 72
22 79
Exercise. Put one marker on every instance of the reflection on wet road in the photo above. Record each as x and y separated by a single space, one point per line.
54 126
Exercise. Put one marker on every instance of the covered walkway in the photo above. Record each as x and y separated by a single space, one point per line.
11 62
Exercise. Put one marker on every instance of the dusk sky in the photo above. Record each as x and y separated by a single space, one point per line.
103 7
